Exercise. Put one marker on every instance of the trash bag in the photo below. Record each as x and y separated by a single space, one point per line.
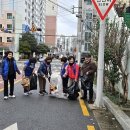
33 82
73 91
85 85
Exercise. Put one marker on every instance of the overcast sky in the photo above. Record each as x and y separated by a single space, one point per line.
67 22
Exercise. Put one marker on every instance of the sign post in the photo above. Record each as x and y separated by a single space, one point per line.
103 7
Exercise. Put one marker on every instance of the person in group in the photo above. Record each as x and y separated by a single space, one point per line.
9 69
72 71
88 69
44 72
28 70
63 70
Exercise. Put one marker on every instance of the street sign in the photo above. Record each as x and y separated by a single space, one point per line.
103 7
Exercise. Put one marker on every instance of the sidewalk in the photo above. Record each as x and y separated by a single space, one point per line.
121 117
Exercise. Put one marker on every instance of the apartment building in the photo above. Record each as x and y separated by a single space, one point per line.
51 23
29 11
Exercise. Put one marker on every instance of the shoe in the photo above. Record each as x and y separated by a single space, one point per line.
84 98
90 102
5 97
26 94
45 92
41 94
12 96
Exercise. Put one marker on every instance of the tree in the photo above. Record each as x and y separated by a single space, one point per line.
28 40
42 48
115 45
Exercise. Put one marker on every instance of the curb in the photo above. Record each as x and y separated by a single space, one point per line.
121 117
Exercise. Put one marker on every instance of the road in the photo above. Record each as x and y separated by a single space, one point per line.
36 112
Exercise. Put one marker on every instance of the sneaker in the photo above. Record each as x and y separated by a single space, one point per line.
26 94
41 94
12 96
5 97
45 92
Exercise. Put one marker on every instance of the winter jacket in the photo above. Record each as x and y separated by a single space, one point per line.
63 69
73 71
28 69
5 68
89 68
44 69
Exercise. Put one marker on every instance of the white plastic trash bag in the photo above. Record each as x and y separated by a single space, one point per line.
59 91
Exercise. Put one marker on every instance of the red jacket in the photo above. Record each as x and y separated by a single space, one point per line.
73 71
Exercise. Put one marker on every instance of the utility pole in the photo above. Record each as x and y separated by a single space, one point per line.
100 71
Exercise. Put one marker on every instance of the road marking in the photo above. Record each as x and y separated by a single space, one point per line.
12 127
1 90
90 127
83 107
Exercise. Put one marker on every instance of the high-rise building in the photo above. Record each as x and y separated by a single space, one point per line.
30 11
51 22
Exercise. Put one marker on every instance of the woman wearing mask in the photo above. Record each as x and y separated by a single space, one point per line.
9 69
72 71
63 70
28 69
44 72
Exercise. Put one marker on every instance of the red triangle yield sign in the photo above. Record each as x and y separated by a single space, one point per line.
103 15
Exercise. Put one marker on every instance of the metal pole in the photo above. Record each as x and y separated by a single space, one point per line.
100 71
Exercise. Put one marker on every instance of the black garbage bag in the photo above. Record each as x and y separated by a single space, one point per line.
85 83
33 82
73 91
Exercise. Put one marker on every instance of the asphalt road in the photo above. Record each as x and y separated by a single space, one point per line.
37 112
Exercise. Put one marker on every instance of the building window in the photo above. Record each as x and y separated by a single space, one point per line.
9 26
0 26
26 2
89 16
0 39
87 46
29 14
9 39
28 21
88 36
9 15
88 26
29 6
88 2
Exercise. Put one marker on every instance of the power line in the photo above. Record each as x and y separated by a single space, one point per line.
42 35
61 7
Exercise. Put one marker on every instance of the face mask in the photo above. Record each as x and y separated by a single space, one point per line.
48 63
71 64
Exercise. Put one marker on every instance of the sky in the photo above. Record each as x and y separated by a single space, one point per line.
67 22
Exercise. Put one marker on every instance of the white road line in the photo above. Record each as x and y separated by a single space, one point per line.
12 127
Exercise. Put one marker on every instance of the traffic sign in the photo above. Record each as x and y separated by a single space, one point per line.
103 7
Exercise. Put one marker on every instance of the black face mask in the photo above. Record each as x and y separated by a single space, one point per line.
71 64
48 63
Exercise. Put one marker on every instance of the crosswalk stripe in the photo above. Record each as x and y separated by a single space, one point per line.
90 127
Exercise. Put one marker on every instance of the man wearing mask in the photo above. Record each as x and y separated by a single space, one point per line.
9 69
44 72
88 69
